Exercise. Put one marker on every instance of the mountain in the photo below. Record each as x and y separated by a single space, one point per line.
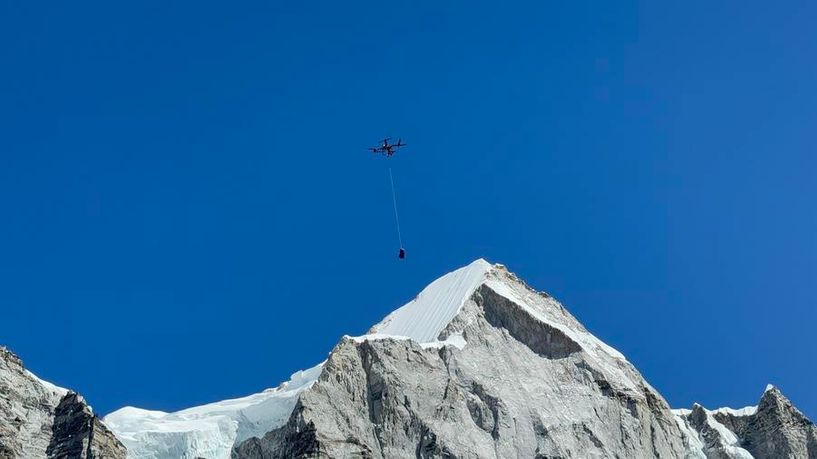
479 365
773 428
39 419
491 369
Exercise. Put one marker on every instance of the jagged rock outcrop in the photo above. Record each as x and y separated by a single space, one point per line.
530 382
772 429
78 432
40 420
777 429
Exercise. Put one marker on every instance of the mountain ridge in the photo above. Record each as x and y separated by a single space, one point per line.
438 320
478 364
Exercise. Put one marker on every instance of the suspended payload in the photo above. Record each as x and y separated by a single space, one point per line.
388 150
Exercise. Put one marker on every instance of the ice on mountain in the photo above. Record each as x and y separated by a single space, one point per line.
423 318
209 430
745 411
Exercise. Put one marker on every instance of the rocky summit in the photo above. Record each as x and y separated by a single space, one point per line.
479 365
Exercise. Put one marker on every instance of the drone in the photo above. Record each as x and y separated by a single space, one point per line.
388 149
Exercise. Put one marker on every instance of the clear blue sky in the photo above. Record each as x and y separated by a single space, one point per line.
189 212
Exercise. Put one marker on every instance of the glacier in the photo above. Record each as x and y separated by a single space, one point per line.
209 430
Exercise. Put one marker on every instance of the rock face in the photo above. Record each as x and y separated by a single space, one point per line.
526 380
772 429
39 420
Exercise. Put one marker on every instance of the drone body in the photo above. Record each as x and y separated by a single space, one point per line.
386 148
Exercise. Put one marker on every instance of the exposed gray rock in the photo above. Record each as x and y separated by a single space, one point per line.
77 432
776 430
531 382
39 420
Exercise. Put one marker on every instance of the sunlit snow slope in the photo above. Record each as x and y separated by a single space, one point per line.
426 316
